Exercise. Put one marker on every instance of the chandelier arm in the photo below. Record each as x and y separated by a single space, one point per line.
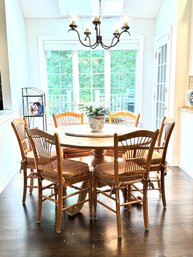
112 44
105 47
93 46
125 30
90 45
80 38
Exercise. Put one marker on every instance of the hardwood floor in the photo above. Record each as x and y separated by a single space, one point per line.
170 234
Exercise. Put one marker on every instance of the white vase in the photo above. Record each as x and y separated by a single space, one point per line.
189 98
96 123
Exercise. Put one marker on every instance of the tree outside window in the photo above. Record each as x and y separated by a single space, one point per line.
64 82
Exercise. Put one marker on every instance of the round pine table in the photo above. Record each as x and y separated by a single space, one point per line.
80 136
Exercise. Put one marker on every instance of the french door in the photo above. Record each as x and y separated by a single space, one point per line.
161 90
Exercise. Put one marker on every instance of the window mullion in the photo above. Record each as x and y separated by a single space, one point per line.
75 72
107 78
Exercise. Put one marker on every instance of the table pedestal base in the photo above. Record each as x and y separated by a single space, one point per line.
99 157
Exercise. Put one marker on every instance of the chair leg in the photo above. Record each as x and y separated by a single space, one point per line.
158 181
39 210
59 210
145 206
118 214
94 196
124 192
64 193
129 196
31 177
90 198
24 185
163 189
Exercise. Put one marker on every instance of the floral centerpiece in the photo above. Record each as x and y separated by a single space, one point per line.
96 116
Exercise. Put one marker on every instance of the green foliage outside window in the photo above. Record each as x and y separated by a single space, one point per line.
91 79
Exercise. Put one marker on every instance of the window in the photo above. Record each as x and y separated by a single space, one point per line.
91 77
123 72
60 81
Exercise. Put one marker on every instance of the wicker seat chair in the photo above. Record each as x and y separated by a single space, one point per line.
124 117
27 157
71 118
61 175
112 177
159 166
160 135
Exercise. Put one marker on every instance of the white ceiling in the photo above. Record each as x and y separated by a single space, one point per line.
61 8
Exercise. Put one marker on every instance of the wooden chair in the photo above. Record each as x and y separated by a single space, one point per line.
124 117
71 118
121 175
159 164
160 135
156 178
68 118
27 157
58 173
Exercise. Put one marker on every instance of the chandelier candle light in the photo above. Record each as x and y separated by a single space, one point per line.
99 41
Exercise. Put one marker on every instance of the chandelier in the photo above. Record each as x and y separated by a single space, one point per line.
99 39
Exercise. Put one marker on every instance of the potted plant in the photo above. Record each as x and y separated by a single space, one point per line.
96 116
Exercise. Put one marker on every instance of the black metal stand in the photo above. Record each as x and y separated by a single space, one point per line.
34 106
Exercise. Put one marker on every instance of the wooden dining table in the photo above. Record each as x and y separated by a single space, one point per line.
81 136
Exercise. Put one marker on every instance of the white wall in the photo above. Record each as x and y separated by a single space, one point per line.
14 48
175 14
185 115
16 51
9 151
4 66
146 27
59 28
191 43
186 139
167 21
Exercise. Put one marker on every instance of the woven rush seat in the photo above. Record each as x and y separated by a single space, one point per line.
70 169
128 171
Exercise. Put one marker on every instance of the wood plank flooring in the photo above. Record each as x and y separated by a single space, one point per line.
170 234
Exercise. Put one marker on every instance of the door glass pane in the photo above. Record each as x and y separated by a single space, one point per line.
123 68
161 84
60 83
91 68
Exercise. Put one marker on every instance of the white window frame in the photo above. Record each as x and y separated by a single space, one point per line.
162 39
60 43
